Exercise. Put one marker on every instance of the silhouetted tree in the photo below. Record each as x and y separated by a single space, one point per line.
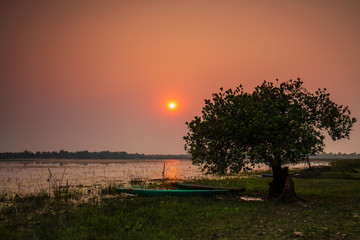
273 125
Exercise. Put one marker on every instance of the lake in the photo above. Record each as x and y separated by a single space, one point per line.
31 175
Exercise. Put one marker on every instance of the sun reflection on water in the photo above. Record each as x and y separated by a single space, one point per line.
171 168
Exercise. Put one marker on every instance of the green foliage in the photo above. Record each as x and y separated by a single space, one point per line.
272 125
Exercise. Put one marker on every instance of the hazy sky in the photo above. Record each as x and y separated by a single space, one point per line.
98 75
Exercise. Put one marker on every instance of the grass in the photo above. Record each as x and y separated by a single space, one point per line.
110 189
59 190
346 163
138 182
332 212
340 175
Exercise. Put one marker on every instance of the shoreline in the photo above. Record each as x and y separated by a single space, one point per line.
82 161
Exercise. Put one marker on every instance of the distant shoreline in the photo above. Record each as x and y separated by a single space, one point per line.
62 154
83 161
107 155
120 161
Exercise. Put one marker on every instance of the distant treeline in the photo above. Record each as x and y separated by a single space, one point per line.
62 154
337 155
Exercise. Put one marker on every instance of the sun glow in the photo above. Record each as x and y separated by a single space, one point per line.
172 105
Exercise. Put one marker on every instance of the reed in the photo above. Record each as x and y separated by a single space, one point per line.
110 189
138 182
60 190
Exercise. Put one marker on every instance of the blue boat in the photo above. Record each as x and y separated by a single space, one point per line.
163 192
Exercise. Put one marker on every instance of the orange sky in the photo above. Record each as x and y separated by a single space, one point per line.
98 75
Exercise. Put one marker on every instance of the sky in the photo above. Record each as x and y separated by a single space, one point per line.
99 75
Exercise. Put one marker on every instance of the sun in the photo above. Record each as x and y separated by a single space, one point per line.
172 105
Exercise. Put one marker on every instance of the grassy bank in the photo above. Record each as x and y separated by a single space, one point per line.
332 211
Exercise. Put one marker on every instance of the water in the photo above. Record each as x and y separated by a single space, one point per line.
32 175
29 175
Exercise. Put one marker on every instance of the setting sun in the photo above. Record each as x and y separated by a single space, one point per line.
172 105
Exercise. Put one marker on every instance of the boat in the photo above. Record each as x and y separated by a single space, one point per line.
271 175
206 187
164 192
264 175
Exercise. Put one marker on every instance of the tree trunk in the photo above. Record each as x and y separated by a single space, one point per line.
282 187
288 194
279 178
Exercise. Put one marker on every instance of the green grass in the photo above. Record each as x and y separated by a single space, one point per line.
340 175
255 187
346 163
332 212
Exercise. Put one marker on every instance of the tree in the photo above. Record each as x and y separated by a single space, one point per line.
274 125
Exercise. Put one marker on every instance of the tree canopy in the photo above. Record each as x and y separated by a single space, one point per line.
275 124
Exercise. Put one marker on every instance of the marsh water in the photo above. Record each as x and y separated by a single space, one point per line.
32 175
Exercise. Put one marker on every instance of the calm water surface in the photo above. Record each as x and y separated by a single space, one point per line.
32 175
26 176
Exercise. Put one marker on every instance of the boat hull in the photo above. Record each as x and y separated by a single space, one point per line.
206 187
161 192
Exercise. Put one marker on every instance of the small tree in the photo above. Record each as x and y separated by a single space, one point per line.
273 125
